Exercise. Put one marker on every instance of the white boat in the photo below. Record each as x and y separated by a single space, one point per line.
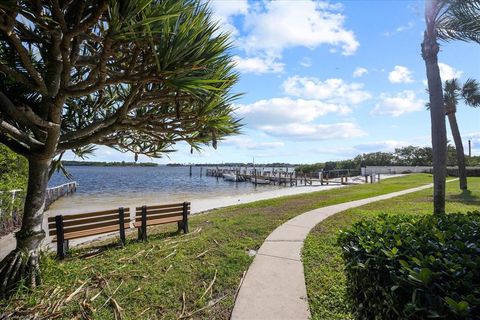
260 181
230 177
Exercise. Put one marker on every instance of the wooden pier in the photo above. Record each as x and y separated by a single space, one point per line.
59 191
288 177
281 177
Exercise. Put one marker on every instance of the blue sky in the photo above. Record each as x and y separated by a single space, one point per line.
329 80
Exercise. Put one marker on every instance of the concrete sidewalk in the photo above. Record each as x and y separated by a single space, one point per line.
274 286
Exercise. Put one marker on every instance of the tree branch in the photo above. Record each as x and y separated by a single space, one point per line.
17 76
16 43
15 146
90 21
15 133
23 114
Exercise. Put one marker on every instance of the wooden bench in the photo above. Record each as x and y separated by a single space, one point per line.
67 227
161 214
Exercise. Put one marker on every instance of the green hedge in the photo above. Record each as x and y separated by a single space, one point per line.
410 267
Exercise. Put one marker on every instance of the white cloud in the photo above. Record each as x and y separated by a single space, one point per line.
367 147
287 110
306 62
398 104
359 72
257 65
273 26
243 142
330 90
399 29
380 146
223 11
400 74
296 118
474 137
343 130
448 72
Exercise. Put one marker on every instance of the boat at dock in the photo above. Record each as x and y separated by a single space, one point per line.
260 181
231 177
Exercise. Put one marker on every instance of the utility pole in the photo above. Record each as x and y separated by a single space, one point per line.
469 148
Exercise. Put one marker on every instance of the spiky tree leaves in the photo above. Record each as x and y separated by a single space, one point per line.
453 91
136 76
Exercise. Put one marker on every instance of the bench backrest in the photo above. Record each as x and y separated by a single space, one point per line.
160 214
88 224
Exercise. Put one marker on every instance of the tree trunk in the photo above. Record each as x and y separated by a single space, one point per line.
22 264
462 171
430 50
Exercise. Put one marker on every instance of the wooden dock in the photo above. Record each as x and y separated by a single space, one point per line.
57 192
280 177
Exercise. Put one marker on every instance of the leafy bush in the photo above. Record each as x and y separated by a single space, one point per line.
13 176
409 267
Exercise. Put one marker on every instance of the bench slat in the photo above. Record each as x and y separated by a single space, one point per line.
159 216
91 232
152 222
160 211
70 223
162 206
92 226
176 208
88 215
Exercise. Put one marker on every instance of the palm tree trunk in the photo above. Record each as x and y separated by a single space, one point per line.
430 49
23 262
462 171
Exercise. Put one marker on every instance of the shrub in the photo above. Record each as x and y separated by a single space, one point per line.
409 267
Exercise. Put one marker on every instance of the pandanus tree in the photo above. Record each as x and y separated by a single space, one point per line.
469 92
445 20
136 76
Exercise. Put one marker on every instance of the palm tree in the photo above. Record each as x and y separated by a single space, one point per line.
470 94
445 20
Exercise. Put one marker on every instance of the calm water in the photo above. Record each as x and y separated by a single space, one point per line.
106 186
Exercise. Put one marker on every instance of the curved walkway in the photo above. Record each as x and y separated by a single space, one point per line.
274 286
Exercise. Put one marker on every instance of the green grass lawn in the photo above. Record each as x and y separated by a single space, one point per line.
174 276
322 259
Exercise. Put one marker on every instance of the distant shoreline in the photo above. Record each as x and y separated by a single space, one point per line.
108 164
73 163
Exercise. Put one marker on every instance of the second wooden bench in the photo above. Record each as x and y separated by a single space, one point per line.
161 214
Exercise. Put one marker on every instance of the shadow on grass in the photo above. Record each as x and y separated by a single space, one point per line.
100 247
465 196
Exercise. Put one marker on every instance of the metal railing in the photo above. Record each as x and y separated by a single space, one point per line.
12 201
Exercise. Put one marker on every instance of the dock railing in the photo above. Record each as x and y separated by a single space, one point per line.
57 192
12 201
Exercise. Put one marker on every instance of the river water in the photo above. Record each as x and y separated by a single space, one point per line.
104 187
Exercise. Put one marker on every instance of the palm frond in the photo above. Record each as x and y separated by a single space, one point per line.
471 93
460 21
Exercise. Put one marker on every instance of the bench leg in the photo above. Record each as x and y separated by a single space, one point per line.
142 234
180 226
60 237
60 250
185 217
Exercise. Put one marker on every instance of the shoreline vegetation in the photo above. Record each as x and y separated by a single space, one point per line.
171 275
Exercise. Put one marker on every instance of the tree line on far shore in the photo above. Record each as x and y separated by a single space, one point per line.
405 156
